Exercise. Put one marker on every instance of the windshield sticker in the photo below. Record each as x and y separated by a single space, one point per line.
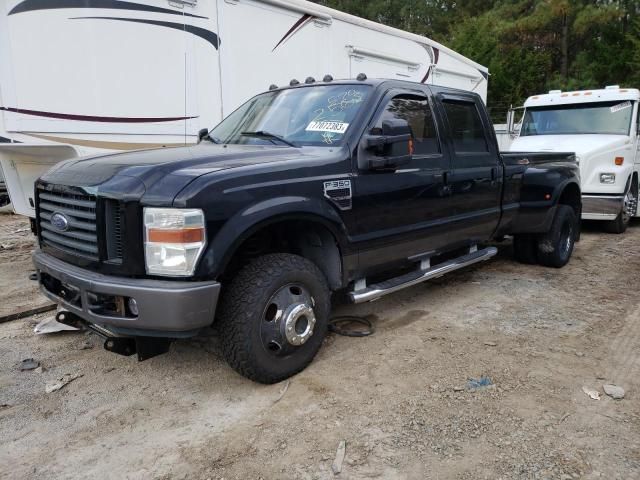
323 126
620 106
328 137
347 100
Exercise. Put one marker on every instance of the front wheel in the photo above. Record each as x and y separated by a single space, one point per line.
556 246
629 206
273 317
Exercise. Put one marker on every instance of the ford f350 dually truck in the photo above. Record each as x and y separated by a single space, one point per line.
360 186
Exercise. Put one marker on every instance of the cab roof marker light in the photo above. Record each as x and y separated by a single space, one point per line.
273 86
588 93
575 94
564 95
294 82
327 78
310 80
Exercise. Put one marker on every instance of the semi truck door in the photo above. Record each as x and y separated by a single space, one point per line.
476 177
403 212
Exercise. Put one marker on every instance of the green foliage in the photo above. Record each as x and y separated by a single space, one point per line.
529 46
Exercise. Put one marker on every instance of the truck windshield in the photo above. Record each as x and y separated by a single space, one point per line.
605 118
318 116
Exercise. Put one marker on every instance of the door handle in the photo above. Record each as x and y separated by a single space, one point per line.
494 173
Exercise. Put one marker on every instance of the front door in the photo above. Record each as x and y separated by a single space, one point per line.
400 212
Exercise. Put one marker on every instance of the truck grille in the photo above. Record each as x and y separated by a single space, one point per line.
80 236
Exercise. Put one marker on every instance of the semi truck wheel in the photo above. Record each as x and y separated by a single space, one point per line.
525 248
629 206
556 246
273 317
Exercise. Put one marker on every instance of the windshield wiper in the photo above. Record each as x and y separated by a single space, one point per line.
272 136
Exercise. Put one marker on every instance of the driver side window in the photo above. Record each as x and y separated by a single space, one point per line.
417 112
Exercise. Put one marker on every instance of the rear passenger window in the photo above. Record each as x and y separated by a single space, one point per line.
466 127
416 111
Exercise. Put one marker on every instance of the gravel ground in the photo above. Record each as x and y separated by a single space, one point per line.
399 399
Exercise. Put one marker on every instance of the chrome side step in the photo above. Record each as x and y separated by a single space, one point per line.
378 290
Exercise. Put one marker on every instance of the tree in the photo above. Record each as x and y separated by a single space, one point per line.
529 46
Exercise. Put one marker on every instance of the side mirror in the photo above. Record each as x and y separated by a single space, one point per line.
202 134
510 121
389 150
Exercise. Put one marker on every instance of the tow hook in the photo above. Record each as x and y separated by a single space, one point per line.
145 347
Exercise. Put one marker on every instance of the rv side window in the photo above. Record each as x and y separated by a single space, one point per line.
466 126
415 110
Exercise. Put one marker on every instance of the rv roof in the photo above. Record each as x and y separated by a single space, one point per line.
556 97
326 13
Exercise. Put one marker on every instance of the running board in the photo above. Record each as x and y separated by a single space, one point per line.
378 290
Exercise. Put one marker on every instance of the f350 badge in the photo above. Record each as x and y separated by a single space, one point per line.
339 192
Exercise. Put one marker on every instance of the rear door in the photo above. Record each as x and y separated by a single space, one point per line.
476 174
401 213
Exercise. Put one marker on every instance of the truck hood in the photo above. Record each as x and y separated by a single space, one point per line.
595 154
160 172
581 145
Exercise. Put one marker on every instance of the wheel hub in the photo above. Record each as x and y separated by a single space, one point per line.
630 205
298 323
288 320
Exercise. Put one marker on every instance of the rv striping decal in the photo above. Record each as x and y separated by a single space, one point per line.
207 35
92 118
106 144
7 140
296 26
436 56
33 5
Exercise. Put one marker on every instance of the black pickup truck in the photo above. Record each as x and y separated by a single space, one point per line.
362 186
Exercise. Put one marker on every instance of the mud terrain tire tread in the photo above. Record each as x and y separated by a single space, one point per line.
550 253
243 303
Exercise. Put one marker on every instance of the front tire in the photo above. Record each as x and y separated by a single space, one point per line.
273 317
629 206
556 246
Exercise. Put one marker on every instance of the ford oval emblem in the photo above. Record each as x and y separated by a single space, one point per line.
60 222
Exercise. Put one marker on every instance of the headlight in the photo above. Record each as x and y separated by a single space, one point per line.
174 239
608 178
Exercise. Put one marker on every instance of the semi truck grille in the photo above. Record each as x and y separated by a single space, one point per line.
68 222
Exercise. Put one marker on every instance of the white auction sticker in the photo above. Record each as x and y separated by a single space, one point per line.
620 106
334 127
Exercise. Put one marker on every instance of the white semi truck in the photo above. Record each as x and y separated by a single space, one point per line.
82 77
601 127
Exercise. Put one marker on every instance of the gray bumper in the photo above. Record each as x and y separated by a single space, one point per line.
165 307
601 207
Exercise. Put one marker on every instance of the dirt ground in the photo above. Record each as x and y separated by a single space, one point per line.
398 398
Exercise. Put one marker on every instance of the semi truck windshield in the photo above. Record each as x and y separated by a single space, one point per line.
606 118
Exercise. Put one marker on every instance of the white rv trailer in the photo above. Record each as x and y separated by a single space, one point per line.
601 127
80 77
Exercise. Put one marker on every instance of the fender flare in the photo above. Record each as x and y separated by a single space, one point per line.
248 221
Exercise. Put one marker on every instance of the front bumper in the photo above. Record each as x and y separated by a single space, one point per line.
165 308
601 207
